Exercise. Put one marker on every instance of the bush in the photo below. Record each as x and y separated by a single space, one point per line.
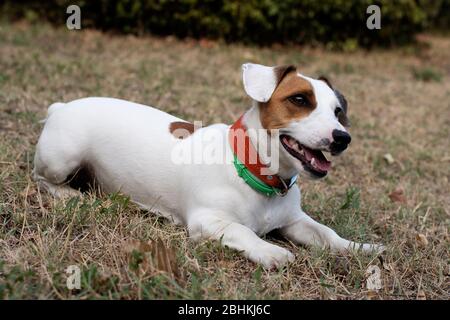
427 74
334 22
441 19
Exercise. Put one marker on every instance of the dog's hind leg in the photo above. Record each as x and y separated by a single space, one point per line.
204 225
306 231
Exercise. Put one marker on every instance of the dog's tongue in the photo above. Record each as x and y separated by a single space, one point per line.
320 162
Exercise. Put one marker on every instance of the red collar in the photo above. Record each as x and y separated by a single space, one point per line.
246 153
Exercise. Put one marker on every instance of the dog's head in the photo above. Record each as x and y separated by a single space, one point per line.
310 114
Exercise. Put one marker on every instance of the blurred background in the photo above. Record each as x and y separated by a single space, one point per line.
336 23
184 57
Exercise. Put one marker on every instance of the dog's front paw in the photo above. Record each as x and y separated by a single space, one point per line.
271 256
370 248
377 248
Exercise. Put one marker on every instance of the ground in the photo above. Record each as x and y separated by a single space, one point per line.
390 187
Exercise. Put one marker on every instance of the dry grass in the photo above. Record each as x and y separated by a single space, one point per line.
399 104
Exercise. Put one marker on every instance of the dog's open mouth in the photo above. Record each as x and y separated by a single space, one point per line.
313 160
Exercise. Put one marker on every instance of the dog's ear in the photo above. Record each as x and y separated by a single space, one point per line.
260 81
325 79
342 117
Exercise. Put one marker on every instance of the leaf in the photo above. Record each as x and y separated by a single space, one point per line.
398 195
152 257
422 240
389 158
421 295
137 245
372 294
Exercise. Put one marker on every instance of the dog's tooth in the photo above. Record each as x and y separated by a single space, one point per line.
292 142
313 161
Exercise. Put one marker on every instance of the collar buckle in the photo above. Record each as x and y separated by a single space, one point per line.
284 191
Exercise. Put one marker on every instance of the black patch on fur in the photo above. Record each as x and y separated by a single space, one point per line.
343 119
325 79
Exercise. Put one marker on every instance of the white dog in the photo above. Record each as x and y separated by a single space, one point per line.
248 190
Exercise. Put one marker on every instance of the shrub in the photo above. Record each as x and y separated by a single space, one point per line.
427 74
338 23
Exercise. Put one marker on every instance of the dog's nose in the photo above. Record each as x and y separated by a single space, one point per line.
341 137
341 141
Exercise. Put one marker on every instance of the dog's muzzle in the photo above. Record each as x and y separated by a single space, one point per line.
341 140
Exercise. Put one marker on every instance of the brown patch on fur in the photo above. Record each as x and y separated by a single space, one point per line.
279 110
181 130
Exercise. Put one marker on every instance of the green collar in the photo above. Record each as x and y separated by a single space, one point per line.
256 183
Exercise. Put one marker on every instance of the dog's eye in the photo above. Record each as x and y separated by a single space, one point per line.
299 100
338 111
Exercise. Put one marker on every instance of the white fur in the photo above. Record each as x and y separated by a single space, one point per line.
130 149
259 81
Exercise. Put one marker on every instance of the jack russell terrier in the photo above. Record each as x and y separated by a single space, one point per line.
159 161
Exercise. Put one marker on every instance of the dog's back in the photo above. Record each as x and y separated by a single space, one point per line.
123 131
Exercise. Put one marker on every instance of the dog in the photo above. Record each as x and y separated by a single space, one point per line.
135 149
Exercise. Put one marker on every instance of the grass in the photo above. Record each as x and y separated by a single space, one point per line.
427 74
126 253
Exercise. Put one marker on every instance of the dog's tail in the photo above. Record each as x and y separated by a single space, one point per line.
55 106
52 108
